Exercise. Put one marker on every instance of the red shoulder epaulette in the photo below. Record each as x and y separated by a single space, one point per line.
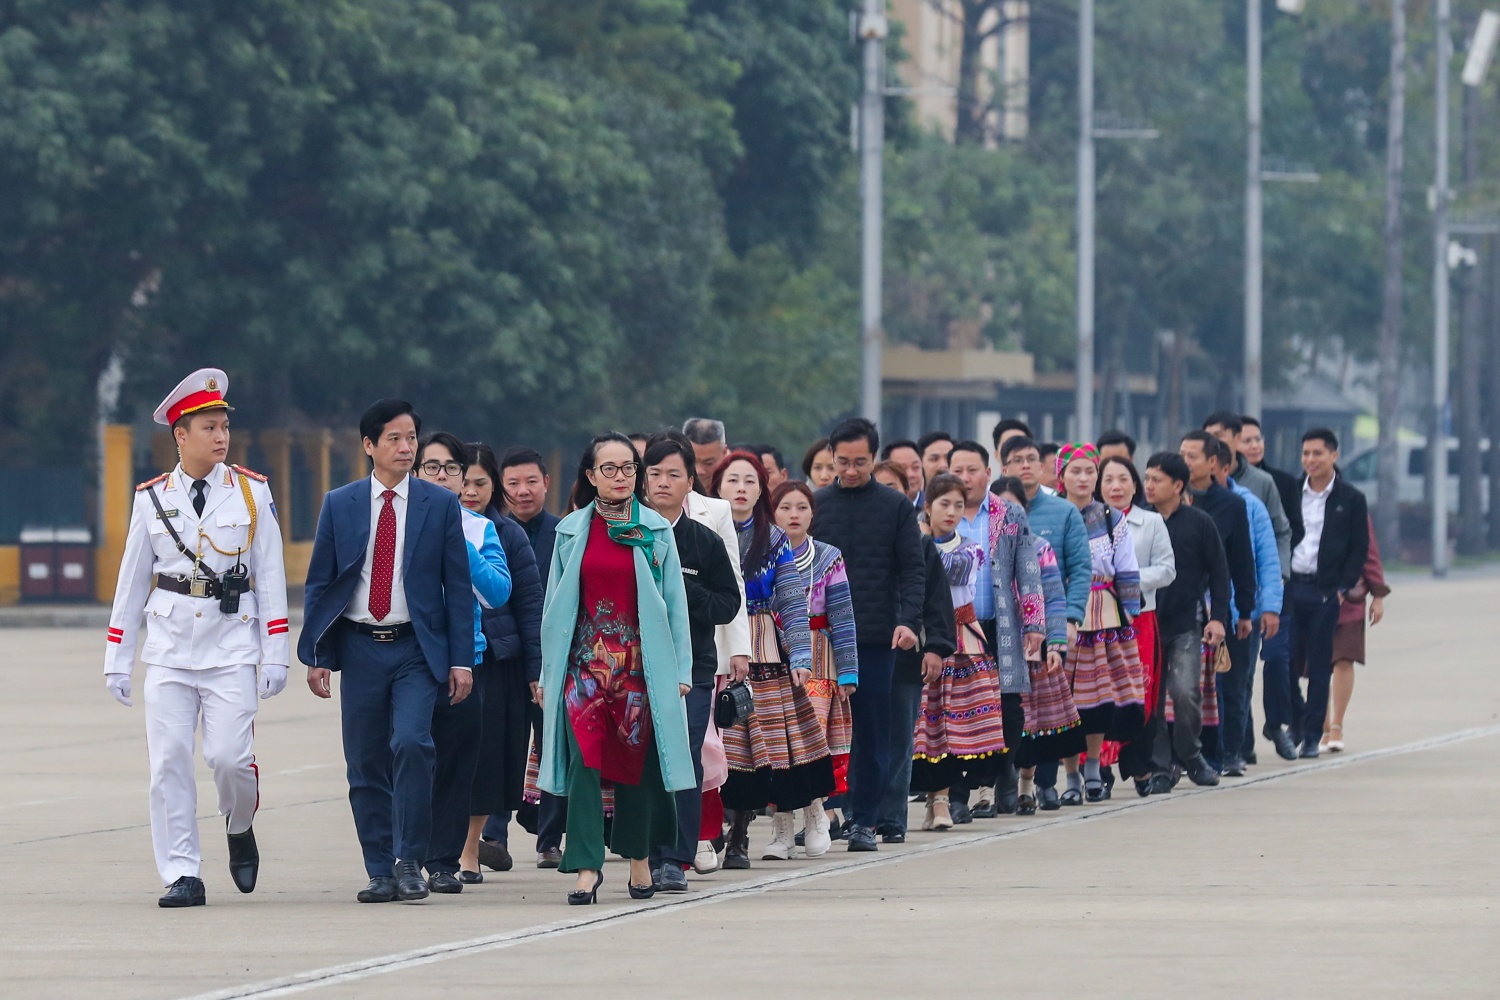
152 482
249 472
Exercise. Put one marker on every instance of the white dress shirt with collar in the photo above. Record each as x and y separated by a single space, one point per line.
732 639
1314 510
359 605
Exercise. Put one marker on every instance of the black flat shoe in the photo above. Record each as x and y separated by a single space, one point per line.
961 814
382 889
1143 787
583 897
445 882
894 837
642 891
1093 791
471 878
244 859
495 856
186 891
1072 797
1047 799
410 885
1006 803
1025 805
1160 784
984 810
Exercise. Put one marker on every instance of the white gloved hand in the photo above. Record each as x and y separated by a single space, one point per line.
272 680
119 686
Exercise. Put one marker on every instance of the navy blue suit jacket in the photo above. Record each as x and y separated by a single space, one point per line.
439 591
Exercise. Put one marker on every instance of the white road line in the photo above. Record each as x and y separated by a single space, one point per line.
400 961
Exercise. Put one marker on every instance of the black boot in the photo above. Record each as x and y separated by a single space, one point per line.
244 859
738 853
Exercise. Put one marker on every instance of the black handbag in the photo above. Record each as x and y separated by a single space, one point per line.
734 706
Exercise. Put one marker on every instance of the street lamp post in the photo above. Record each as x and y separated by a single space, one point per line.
872 33
1084 366
1437 439
1253 214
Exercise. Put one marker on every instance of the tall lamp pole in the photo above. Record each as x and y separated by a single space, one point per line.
1437 440
872 33
1084 366
1253 214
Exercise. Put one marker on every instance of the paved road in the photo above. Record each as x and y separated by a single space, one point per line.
1373 874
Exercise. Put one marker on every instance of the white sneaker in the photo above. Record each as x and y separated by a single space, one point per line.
706 861
783 830
816 838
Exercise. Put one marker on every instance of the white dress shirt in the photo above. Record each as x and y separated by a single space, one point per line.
359 605
732 639
1314 510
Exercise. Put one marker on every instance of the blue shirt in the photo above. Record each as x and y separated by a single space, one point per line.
977 530
1268 588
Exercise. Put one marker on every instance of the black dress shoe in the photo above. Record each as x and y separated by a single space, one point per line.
1199 773
1047 799
894 837
671 878
471 878
1143 787
1234 767
445 882
410 884
1071 797
862 839
961 813
1160 784
186 891
382 889
550 858
984 810
1285 748
495 856
1251 759
244 859
1006 803
1309 750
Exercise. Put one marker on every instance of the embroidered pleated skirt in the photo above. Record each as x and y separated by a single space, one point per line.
832 709
960 721
1109 683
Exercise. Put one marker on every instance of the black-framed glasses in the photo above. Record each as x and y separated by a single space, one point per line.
610 470
433 467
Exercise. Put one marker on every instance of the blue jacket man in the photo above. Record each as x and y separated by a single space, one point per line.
389 599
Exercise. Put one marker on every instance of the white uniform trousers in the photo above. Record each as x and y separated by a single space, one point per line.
225 696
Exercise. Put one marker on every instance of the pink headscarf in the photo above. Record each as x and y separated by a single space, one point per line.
1078 449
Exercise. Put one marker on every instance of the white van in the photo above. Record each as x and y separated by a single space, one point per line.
1361 472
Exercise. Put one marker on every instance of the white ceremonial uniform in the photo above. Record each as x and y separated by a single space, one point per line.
199 660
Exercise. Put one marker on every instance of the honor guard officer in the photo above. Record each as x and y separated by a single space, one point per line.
203 563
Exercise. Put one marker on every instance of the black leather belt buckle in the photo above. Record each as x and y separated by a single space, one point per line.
380 634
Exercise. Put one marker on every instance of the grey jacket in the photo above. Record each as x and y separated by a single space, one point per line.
1259 482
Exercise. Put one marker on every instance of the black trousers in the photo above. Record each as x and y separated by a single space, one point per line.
456 734
699 703
551 811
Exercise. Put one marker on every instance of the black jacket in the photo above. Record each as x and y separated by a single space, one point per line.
1291 499
1346 536
713 595
1200 567
513 630
939 629
542 531
1233 522
875 527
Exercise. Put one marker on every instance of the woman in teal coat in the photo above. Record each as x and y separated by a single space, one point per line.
616 660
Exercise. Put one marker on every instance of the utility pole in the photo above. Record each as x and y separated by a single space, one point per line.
1253 213
1084 367
1437 439
872 33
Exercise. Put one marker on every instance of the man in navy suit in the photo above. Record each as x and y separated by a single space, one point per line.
389 602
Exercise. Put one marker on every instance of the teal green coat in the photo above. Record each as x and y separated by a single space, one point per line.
666 648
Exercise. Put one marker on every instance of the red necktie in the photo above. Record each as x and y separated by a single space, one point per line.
385 559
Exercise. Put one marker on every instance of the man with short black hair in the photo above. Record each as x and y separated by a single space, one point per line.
1116 443
524 484
1328 559
876 530
1228 428
1231 518
770 457
909 457
398 617
1007 429
709 446
715 596
934 447
1184 626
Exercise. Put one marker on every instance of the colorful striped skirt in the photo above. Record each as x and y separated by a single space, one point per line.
960 715
1053 729
832 708
780 756
1109 683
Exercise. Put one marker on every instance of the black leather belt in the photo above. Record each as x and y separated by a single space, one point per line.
188 587
385 633
1304 578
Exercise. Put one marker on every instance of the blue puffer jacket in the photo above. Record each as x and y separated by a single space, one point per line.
514 629
1268 588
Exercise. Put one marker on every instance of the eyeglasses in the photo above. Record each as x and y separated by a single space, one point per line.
840 462
612 471
433 467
